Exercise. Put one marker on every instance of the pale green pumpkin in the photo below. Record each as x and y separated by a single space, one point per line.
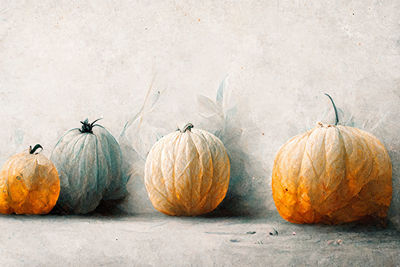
88 161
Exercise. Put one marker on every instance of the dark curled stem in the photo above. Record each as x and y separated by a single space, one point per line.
87 127
188 127
334 107
33 150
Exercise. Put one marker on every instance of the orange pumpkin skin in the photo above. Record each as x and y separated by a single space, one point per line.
332 174
29 184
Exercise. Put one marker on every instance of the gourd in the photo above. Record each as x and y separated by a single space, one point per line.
332 174
89 164
29 184
187 172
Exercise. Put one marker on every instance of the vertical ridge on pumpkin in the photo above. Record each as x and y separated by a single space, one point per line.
293 177
167 170
159 183
328 193
303 199
116 187
222 171
196 178
207 170
212 170
154 192
189 172
177 203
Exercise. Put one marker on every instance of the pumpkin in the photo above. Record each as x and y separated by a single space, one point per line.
187 172
29 184
88 161
332 174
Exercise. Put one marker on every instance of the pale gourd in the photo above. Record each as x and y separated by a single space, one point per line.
187 172
88 161
332 174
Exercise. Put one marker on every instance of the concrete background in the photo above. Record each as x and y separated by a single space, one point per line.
63 61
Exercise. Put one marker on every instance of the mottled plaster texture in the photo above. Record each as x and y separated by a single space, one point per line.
64 61
157 240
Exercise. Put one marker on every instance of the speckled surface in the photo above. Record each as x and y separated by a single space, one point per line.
171 241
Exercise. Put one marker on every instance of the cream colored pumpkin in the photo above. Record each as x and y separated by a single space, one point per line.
187 172
332 174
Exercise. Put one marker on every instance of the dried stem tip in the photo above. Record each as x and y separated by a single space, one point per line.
188 127
33 150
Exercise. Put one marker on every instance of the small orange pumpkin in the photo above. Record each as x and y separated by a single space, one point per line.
332 174
29 184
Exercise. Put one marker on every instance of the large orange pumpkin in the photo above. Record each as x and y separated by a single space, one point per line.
187 172
332 174
29 184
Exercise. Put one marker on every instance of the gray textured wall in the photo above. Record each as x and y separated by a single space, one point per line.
63 61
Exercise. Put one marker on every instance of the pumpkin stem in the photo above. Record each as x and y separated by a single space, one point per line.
87 127
33 150
188 126
334 107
